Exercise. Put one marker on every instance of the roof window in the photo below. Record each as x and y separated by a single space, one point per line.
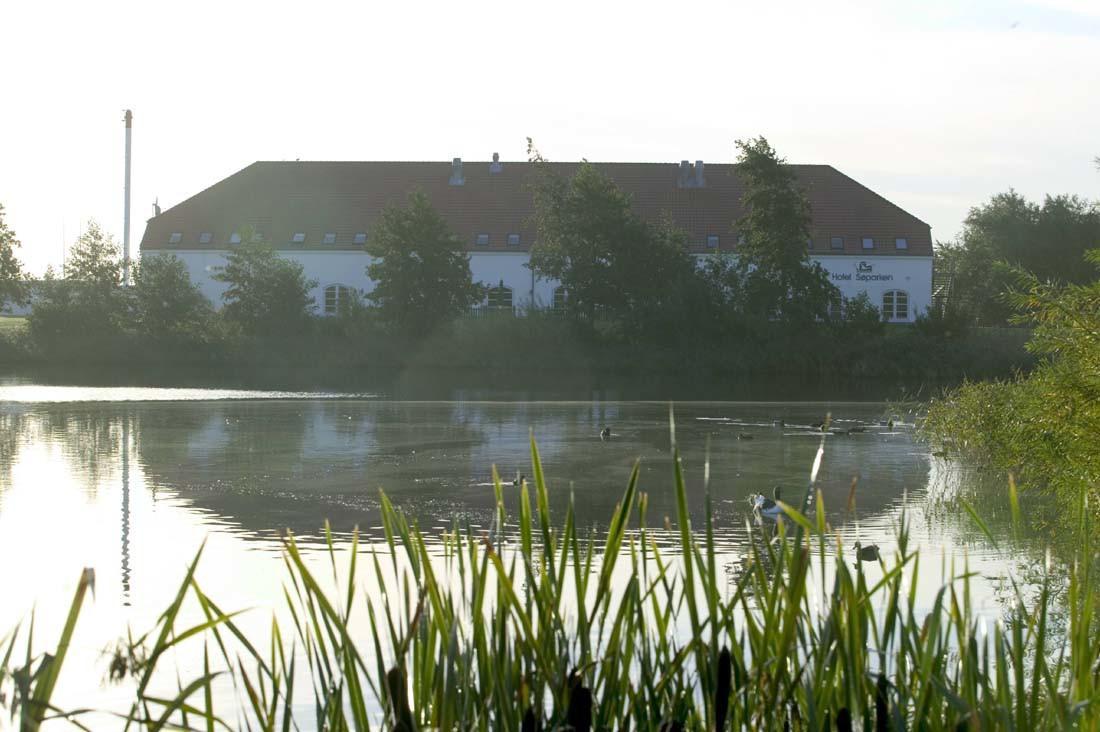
868 243
329 237
175 237
234 238
298 238
360 238
513 240
482 240
901 243
837 242
205 237
712 241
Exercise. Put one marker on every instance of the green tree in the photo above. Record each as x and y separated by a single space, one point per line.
1045 240
420 269
13 282
168 306
88 302
611 262
779 277
266 294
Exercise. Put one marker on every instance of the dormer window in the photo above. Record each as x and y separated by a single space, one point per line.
234 238
360 238
513 240
482 240
299 238
712 241
205 237
329 237
175 237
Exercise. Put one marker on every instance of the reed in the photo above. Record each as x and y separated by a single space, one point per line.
538 626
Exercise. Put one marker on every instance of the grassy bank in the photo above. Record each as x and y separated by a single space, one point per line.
538 626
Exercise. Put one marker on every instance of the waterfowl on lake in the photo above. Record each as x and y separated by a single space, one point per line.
605 433
766 507
519 480
890 425
744 436
869 553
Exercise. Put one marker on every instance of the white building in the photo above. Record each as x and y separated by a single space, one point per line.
321 214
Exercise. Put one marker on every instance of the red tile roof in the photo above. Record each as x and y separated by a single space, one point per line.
314 198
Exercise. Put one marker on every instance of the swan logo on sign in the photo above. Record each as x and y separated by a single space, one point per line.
863 268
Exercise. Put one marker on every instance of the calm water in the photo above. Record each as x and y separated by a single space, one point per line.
133 481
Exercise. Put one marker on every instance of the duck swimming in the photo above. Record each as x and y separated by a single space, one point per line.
766 507
744 436
869 553
605 433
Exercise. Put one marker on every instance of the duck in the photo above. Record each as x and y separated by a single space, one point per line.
890 425
744 436
869 553
767 507
605 433
519 480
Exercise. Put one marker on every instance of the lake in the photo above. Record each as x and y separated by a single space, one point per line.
132 481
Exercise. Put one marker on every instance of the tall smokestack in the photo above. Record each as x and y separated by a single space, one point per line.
126 214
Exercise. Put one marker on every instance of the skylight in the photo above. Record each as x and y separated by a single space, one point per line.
329 237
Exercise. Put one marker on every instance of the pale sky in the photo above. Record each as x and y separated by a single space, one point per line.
935 105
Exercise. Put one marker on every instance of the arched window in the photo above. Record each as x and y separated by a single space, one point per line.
895 305
560 298
836 308
500 297
336 297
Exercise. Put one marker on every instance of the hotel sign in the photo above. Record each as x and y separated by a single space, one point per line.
865 272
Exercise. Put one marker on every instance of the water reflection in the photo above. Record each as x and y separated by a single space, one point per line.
134 488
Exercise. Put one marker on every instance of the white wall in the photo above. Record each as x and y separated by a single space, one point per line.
876 275
851 274
350 269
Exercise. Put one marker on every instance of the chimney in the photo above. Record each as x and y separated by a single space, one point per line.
685 174
456 172
495 166
128 118
700 181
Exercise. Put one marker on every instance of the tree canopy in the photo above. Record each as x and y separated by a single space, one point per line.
1047 240
779 278
13 285
420 269
610 261
167 304
88 301
266 293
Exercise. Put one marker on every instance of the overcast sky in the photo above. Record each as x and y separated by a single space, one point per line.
935 105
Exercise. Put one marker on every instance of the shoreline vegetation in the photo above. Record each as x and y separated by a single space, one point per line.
1043 427
540 352
787 641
